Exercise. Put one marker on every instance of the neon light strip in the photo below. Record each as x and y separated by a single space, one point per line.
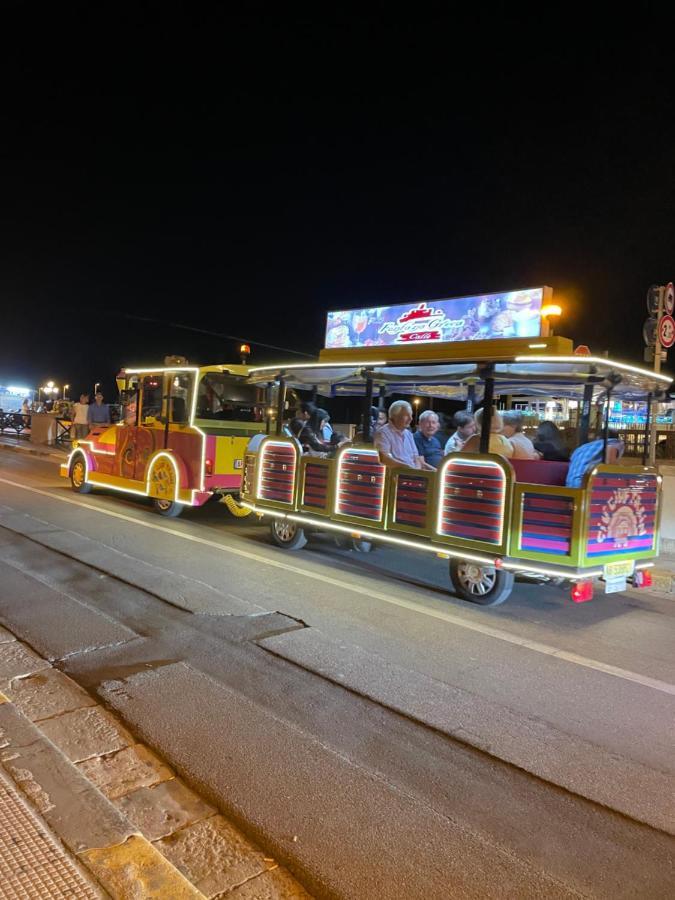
126 490
596 359
94 450
462 460
357 364
378 536
161 370
371 453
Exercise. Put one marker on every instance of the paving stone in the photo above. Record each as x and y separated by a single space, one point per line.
135 870
86 732
125 771
213 855
5 635
18 659
160 810
276 884
46 693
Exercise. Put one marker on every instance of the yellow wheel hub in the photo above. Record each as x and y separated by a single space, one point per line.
163 480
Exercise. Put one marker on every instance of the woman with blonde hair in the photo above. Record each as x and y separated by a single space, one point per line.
498 443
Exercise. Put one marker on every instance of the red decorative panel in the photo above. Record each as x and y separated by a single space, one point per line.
316 485
547 523
360 484
276 474
622 514
472 500
412 500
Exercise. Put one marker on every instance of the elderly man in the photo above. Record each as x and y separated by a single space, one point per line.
395 441
428 445
523 448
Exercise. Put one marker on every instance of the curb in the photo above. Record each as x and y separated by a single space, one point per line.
117 807
30 451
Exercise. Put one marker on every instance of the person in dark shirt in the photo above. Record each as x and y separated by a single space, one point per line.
548 442
428 445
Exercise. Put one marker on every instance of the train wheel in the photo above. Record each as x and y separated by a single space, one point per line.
484 585
168 508
287 534
78 475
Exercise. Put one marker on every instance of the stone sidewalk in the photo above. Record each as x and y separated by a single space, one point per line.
104 808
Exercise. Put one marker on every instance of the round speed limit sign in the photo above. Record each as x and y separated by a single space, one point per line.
669 299
667 331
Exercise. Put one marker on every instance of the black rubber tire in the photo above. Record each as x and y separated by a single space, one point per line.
287 534
499 591
168 508
77 466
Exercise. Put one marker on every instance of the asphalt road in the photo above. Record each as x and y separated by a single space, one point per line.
380 737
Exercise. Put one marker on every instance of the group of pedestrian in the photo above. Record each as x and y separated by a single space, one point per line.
88 415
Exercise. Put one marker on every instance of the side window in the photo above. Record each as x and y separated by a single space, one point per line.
151 399
180 397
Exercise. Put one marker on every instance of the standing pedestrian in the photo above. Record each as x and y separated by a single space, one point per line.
80 423
99 412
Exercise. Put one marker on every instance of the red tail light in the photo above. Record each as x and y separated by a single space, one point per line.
642 578
582 592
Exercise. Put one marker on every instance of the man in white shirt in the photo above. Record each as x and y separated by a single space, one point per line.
395 441
81 418
523 448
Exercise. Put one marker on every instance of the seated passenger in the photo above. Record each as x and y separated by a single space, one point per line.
466 426
310 433
589 455
425 438
549 443
523 448
498 443
395 441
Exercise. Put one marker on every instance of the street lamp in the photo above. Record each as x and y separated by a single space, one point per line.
550 311
416 405
65 391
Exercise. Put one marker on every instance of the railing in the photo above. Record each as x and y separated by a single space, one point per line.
16 422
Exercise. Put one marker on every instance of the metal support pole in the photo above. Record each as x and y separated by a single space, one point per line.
657 369
281 404
585 418
605 431
366 408
487 415
648 430
380 399
471 397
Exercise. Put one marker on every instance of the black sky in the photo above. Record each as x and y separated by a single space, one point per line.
246 172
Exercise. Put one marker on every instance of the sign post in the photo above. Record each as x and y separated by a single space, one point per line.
664 339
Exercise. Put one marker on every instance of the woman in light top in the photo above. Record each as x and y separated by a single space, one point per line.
498 443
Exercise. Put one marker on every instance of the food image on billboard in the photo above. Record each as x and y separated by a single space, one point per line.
479 318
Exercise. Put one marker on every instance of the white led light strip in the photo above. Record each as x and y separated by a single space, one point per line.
601 360
460 462
369 453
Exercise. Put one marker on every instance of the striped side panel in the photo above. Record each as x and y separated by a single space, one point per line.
411 501
472 501
316 486
277 478
622 514
547 523
360 484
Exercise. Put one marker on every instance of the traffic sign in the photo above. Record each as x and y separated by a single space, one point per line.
649 332
669 298
653 299
667 331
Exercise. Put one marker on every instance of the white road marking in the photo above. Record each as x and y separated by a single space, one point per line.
451 618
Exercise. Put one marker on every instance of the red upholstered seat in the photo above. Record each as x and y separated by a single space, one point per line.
540 471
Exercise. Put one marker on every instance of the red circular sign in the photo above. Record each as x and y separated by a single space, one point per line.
667 331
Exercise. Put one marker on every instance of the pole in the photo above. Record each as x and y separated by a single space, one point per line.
657 369
605 431
471 397
487 413
585 418
366 408
281 403
645 448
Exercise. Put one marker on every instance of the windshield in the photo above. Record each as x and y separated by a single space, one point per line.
228 398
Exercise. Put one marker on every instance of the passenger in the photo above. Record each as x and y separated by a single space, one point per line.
589 455
498 443
523 448
466 426
425 438
310 436
395 441
381 417
548 442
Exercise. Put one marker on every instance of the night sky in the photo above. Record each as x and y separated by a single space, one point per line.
245 174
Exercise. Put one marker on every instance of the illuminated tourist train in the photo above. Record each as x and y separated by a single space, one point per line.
181 439
492 518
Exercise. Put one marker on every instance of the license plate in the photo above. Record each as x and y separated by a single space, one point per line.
622 568
615 584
